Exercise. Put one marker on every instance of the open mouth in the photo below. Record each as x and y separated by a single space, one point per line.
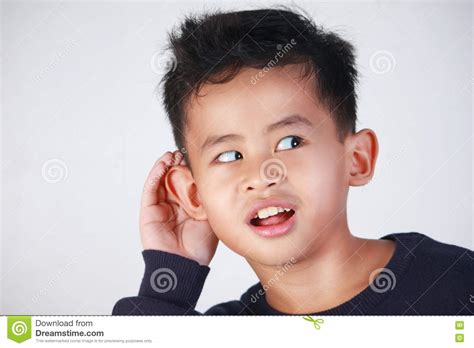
274 219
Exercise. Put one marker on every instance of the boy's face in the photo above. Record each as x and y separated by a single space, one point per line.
230 178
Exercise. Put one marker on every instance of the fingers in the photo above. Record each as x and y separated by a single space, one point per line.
179 157
154 190
183 160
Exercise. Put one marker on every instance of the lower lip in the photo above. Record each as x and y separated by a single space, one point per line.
275 230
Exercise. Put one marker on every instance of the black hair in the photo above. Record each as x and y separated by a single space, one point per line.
213 47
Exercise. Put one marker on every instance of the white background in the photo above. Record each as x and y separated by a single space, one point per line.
78 89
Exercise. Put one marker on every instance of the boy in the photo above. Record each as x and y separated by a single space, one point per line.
263 107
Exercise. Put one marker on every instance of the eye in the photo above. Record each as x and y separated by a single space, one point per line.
228 156
289 142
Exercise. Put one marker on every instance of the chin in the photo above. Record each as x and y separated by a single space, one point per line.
283 256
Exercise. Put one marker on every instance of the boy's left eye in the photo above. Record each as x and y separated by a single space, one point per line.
289 142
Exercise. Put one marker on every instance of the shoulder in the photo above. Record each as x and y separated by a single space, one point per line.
421 244
436 277
435 262
431 252
432 261
454 262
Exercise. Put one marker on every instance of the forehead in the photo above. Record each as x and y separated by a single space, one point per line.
250 101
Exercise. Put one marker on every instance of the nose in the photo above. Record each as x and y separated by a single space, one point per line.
263 175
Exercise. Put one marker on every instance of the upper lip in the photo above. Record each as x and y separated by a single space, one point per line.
269 202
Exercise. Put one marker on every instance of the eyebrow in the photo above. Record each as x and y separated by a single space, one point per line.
292 120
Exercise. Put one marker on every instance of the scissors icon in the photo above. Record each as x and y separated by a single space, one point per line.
315 322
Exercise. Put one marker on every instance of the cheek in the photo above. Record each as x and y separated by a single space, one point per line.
219 205
226 214
321 187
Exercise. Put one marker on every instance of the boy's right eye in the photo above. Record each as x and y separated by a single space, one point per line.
228 156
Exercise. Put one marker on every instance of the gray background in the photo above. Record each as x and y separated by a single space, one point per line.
81 128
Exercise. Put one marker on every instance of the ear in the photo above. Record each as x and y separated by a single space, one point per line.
363 152
182 189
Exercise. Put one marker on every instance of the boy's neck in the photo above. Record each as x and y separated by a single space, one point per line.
326 277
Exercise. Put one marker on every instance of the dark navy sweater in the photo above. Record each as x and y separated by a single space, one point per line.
424 276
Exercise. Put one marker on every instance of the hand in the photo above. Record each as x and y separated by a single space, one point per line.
165 225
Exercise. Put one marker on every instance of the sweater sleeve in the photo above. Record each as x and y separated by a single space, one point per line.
171 285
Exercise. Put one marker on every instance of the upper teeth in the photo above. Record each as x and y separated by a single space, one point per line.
270 211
